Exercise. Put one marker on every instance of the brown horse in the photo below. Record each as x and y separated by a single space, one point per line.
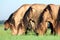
14 21
31 16
55 19
49 14
44 17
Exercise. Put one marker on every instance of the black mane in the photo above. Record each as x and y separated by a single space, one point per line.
41 15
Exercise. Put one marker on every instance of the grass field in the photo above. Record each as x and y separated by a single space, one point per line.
6 35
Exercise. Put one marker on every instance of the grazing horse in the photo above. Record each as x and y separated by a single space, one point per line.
49 15
55 18
42 21
31 16
14 22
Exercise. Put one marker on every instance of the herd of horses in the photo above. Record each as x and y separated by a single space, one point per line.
34 17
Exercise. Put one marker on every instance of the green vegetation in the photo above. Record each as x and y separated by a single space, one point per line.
6 35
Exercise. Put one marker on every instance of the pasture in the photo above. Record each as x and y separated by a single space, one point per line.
6 35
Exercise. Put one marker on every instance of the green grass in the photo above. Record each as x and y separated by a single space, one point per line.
6 35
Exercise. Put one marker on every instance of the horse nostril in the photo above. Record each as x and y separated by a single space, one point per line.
5 29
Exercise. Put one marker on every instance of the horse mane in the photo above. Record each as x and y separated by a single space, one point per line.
10 17
58 17
41 15
25 20
26 14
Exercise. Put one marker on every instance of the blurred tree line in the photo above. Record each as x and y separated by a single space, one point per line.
2 21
